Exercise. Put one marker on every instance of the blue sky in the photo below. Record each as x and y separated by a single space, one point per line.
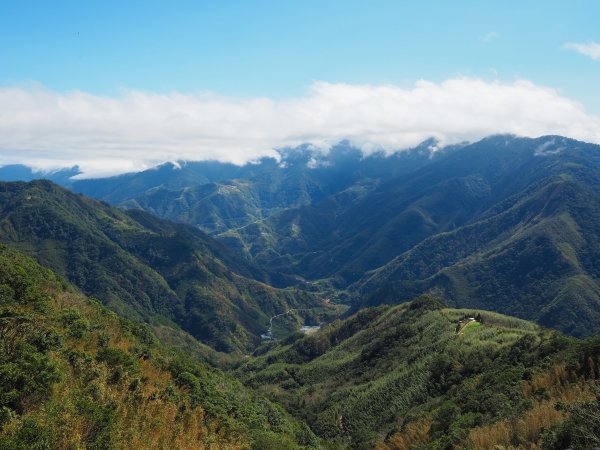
280 49
277 48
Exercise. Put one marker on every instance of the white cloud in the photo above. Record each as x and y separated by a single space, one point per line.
488 37
591 49
106 135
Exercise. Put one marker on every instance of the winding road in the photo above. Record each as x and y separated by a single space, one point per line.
270 330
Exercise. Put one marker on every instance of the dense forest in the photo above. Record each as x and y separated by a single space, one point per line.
507 224
420 375
145 268
75 375
431 299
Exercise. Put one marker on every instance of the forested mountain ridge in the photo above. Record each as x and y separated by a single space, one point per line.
422 376
506 223
417 375
75 375
362 229
144 267
217 197
533 255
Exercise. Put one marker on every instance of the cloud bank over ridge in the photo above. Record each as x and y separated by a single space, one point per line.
108 135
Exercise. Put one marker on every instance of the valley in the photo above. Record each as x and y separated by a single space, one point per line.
444 298
454 222
299 225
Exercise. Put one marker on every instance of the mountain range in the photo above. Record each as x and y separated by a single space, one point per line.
439 297
507 224
421 375
75 375
143 267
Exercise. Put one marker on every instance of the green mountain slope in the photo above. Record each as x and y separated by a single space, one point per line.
345 235
507 224
144 267
212 207
411 376
75 375
218 197
169 175
533 256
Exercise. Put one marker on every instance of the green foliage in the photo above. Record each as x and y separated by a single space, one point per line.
144 268
121 363
356 381
493 225
272 441
580 430
223 397
102 420
27 376
427 303
73 375
29 436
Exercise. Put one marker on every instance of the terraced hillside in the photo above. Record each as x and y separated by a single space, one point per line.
412 376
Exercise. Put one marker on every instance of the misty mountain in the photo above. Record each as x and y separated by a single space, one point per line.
506 223
144 267
217 197
20 172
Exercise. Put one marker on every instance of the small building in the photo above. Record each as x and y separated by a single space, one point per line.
309 329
